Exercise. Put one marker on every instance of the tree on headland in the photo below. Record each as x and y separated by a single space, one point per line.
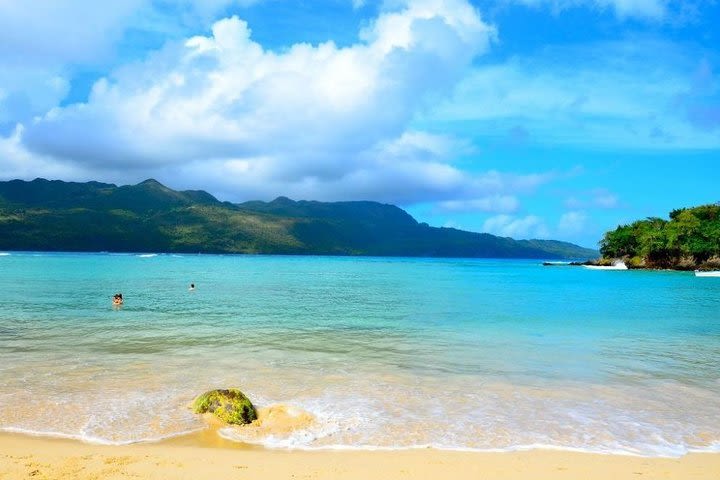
689 239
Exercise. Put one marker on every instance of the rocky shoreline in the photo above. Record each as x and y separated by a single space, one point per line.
635 263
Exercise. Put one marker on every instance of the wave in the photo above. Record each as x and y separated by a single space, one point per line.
147 255
364 424
302 440
325 433
92 439
676 451
4 254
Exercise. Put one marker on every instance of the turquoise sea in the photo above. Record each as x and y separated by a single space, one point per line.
384 352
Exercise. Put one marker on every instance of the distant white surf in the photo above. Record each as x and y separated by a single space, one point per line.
615 266
714 273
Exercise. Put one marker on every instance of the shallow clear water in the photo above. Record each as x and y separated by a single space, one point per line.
388 353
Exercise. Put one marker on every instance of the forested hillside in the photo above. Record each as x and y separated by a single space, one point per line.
150 217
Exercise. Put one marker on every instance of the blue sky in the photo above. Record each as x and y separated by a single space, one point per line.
525 118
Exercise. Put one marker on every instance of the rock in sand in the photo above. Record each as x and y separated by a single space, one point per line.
231 406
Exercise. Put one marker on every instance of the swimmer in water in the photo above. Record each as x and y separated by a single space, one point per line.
118 299
192 287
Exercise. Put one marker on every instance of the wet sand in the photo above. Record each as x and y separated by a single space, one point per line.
196 456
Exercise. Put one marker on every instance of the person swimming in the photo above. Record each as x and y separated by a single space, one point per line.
118 299
192 287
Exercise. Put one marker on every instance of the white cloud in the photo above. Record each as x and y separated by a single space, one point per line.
60 32
606 200
595 198
26 91
651 9
311 121
40 43
43 44
569 95
495 204
530 226
574 202
572 223
85 31
452 224
17 162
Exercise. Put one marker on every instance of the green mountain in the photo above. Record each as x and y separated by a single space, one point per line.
689 240
66 216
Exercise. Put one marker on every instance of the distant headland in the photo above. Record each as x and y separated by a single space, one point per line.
54 215
689 240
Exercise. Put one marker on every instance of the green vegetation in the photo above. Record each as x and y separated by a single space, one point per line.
689 240
231 406
149 217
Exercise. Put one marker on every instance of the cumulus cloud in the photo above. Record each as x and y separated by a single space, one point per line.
17 162
26 91
529 226
312 121
38 48
84 31
42 46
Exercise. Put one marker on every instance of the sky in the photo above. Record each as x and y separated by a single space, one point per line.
524 118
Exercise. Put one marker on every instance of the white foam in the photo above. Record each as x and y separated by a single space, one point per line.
92 439
619 265
653 452
147 255
714 273
354 416
4 254
609 427
303 441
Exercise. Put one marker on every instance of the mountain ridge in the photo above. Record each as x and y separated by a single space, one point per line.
55 215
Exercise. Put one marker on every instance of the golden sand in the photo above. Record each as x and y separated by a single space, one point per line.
24 457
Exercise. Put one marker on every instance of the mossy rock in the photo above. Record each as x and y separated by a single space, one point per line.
230 406
635 262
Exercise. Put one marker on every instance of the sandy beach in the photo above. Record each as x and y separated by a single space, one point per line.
192 457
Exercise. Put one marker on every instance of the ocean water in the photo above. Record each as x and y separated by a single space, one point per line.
384 352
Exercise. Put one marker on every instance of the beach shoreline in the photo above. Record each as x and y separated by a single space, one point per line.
195 456
438 354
